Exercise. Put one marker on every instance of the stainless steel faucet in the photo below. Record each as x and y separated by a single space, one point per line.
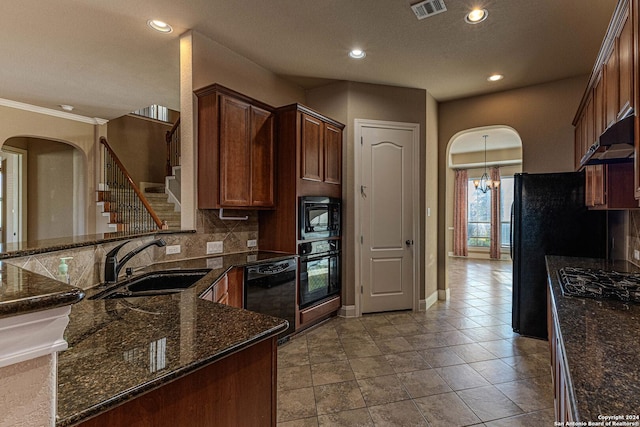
112 266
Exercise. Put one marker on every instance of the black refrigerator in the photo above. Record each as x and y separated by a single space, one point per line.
549 217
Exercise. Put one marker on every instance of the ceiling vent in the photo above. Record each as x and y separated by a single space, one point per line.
428 8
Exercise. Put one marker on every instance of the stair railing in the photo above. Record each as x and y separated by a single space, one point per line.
132 209
173 147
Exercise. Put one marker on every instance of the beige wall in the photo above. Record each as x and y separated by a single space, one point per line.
16 122
214 63
202 63
52 188
140 145
542 115
347 101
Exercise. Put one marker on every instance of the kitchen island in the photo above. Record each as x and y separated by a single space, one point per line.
34 311
596 347
170 360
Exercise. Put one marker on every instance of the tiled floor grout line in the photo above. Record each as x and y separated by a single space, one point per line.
392 351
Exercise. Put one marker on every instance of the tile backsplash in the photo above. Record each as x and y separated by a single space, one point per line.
86 269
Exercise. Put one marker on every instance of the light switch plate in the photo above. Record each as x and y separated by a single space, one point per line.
252 243
173 249
636 254
214 247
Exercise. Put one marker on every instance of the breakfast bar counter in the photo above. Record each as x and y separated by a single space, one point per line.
122 349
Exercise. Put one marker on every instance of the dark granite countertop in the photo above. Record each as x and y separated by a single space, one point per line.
121 348
19 249
601 343
23 292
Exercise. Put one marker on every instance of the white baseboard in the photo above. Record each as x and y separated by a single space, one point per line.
431 299
347 311
444 294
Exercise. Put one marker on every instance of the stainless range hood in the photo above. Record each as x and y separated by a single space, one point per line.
615 145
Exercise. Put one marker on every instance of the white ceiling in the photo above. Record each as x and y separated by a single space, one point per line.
102 58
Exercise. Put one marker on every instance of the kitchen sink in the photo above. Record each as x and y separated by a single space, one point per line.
155 283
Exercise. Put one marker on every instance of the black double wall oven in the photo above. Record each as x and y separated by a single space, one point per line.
319 249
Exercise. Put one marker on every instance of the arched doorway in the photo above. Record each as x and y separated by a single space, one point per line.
466 150
44 189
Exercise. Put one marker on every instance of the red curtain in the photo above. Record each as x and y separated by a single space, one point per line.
494 248
460 214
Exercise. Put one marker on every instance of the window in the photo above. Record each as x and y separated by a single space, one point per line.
479 214
478 217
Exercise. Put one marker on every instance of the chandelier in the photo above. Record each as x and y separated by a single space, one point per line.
485 183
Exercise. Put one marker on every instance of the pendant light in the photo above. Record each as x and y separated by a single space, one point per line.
485 183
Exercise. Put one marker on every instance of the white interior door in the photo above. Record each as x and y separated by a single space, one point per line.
387 217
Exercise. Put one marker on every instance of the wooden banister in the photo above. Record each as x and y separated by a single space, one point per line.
173 147
132 184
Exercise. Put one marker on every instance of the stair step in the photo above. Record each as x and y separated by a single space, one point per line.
156 197
154 190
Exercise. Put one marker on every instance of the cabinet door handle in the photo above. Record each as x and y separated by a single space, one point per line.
409 242
362 193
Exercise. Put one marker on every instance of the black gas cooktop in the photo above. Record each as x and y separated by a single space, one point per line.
600 284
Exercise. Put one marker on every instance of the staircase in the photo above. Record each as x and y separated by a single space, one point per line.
167 211
124 207
111 218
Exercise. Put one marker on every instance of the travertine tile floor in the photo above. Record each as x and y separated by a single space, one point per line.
457 364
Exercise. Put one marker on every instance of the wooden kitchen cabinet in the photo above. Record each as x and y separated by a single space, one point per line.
228 290
610 186
559 371
626 56
611 86
610 96
237 390
236 150
594 195
235 279
320 149
332 154
309 159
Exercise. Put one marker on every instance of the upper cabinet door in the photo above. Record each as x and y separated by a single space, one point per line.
611 87
262 158
235 152
332 154
625 67
311 148
598 108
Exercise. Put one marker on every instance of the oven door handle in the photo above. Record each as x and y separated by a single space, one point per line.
317 257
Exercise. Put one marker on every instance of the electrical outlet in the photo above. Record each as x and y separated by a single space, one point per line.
636 254
214 247
252 243
252 258
173 249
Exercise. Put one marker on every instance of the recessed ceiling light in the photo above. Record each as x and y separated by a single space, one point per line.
476 16
160 26
357 54
66 107
495 77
